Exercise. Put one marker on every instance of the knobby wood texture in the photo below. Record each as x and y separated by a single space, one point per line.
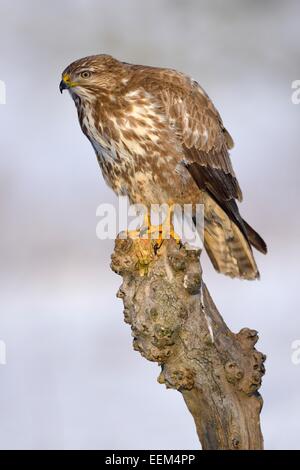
175 323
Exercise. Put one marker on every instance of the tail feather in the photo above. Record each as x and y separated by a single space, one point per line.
231 255
255 239
227 246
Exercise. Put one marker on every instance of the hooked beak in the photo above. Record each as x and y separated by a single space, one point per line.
66 83
63 86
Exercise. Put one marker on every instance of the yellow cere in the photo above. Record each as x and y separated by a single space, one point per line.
67 80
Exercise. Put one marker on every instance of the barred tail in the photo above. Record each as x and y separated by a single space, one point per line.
228 247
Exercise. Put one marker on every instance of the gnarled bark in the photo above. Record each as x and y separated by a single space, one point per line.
175 323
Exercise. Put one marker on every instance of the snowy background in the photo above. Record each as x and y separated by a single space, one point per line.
72 380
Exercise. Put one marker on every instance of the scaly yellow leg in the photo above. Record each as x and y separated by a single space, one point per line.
163 231
157 233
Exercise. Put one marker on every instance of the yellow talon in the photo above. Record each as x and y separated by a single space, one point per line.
149 238
175 236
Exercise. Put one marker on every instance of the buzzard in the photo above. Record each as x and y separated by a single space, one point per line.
159 139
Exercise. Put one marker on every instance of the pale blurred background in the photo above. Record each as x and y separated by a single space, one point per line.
72 380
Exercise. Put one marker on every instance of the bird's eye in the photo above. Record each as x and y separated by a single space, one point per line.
85 74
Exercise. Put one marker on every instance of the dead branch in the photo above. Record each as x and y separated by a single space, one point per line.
175 323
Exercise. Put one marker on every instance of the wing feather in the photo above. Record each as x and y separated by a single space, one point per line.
198 125
204 139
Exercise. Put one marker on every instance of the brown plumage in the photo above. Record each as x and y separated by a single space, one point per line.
159 139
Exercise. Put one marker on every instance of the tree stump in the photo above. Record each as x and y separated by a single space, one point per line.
175 323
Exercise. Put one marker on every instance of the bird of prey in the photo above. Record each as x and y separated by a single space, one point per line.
159 139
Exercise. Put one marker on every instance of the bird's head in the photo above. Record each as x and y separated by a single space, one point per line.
88 76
